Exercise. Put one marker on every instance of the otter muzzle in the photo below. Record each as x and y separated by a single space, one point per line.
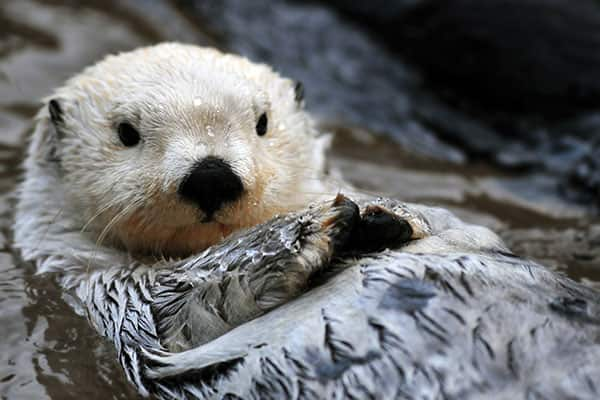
211 184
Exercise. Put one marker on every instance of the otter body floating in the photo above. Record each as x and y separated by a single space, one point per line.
152 189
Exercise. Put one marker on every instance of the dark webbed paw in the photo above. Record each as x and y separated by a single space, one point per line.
377 228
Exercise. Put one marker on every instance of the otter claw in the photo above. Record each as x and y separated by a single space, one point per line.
346 217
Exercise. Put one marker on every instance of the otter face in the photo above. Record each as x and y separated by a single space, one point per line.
167 149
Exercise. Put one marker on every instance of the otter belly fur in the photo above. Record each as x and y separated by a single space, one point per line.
179 194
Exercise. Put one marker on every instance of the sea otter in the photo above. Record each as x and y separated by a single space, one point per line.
180 196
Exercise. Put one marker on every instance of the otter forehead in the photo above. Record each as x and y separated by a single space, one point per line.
202 87
178 73
179 87
190 102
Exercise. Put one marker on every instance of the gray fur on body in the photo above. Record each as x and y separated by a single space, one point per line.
410 326
398 324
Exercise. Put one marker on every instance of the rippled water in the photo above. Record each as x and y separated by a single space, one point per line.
46 351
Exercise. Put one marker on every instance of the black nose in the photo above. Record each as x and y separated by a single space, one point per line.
211 184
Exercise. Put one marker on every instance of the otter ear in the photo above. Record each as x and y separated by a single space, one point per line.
299 92
48 133
56 116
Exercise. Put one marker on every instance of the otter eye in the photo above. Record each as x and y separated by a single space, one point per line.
261 125
128 134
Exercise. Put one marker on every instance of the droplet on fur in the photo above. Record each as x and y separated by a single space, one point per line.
197 102
254 255
209 131
257 257
281 126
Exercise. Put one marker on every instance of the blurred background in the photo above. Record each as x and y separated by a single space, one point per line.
489 108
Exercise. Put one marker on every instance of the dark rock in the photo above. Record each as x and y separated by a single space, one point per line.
516 55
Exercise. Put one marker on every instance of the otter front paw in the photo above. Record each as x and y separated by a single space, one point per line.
249 273
296 246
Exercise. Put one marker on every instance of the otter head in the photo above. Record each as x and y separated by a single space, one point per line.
167 149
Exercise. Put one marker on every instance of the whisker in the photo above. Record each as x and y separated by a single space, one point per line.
117 218
113 222
47 230
101 211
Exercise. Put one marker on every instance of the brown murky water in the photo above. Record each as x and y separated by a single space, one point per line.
46 351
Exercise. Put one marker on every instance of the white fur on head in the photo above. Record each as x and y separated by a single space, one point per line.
187 103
